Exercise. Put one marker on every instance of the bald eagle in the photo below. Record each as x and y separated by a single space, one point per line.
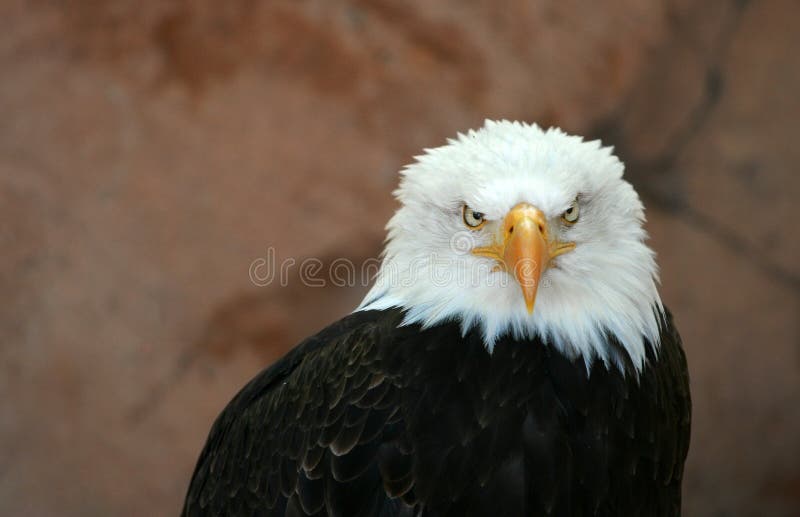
512 358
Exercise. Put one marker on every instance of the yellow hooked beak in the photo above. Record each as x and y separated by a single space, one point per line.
523 248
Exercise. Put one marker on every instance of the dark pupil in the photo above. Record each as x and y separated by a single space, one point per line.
477 215
570 209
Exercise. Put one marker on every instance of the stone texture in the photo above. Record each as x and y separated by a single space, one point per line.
150 152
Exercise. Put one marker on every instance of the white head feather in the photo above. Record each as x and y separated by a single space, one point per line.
607 284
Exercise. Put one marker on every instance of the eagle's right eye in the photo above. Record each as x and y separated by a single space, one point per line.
473 219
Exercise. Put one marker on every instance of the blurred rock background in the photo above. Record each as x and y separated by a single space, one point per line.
150 152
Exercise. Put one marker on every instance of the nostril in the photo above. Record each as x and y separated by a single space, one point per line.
511 230
541 227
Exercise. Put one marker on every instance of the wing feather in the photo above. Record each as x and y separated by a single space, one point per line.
370 417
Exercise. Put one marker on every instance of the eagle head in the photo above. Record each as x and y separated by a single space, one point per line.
525 232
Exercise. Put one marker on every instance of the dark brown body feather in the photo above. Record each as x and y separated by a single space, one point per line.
369 418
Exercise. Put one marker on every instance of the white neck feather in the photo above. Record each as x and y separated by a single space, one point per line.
573 316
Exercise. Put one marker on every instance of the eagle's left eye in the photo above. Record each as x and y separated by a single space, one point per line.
570 215
473 219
